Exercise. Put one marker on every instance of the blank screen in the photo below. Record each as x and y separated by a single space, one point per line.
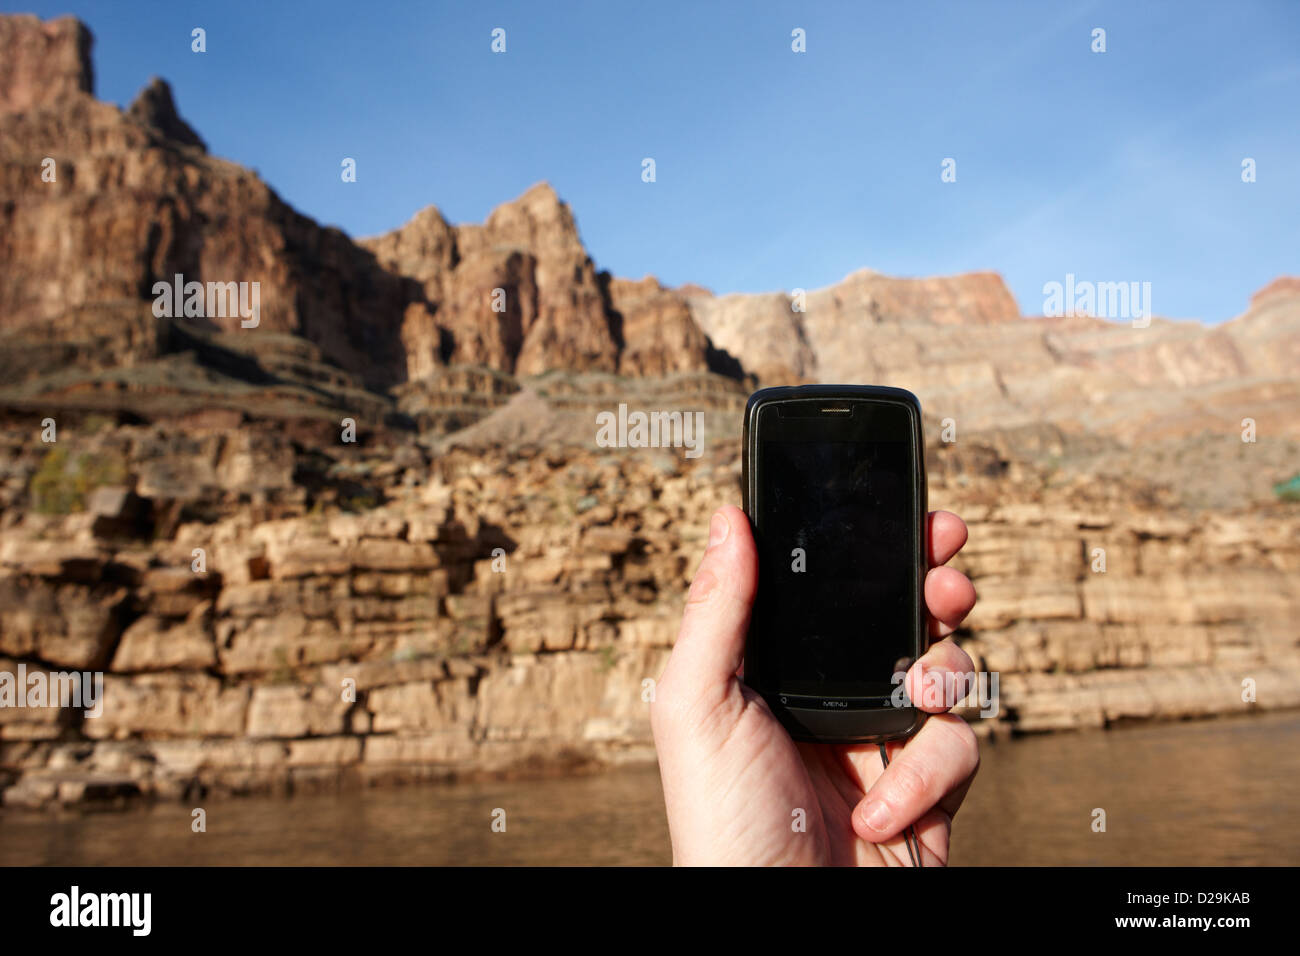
842 625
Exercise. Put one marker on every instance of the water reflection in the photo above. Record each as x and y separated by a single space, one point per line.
1215 792
1211 792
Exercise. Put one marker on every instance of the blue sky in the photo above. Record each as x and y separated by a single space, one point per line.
775 170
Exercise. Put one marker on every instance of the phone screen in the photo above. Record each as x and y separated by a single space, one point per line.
835 614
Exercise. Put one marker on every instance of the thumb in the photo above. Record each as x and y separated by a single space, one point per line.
711 643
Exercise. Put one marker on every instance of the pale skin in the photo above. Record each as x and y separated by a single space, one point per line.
734 781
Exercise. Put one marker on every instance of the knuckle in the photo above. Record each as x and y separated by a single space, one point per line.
666 708
911 782
704 587
951 656
965 744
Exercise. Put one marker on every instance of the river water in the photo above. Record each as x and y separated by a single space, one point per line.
1207 792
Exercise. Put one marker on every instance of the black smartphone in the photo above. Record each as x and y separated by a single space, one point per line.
834 486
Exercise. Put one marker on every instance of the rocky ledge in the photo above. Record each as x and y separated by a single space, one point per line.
410 615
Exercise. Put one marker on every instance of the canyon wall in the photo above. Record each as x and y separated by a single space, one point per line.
497 609
372 538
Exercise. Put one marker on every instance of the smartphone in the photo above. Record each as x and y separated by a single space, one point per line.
834 486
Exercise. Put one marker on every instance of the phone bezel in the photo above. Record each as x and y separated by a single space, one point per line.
837 719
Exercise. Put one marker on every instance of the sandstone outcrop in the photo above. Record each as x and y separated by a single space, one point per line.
659 335
135 194
496 608
43 63
521 295
156 108
133 201
961 346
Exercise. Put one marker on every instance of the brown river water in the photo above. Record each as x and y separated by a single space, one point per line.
1205 792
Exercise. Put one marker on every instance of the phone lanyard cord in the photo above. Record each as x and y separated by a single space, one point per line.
909 835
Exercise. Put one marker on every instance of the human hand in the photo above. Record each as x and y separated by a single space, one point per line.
734 779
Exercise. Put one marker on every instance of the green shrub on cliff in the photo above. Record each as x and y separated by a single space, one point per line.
1288 490
61 484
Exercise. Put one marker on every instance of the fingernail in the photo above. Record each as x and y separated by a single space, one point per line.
718 530
877 817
